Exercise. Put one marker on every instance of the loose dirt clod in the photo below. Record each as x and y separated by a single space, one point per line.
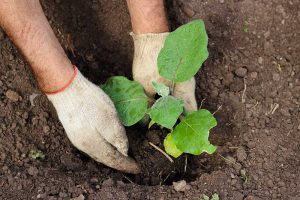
153 137
33 171
241 72
188 10
80 197
32 97
180 186
241 154
108 183
251 198
12 95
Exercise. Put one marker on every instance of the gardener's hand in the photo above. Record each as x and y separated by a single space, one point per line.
146 50
92 124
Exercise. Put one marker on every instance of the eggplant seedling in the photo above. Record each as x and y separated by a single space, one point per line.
181 57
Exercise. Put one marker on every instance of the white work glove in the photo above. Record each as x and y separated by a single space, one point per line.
91 122
144 68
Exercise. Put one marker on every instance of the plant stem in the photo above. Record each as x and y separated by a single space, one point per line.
161 151
172 87
181 117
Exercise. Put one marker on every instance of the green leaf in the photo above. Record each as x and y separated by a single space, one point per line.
170 147
151 123
215 196
36 155
161 89
205 197
184 51
129 98
191 134
166 110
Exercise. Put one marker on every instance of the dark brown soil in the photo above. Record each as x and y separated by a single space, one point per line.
253 73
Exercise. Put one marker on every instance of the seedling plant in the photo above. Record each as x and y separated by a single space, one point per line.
181 57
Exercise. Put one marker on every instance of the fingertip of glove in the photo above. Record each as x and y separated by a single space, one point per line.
137 169
134 168
128 165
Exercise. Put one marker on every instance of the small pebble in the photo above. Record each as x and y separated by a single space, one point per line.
233 181
251 144
241 154
232 175
63 194
243 172
108 183
41 196
237 195
180 186
241 72
33 171
12 95
267 34
94 180
228 79
253 75
270 183
250 198
237 167
230 160
80 197
32 97
281 183
46 129
187 10
276 77
260 60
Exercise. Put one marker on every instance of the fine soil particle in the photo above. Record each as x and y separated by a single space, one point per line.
252 76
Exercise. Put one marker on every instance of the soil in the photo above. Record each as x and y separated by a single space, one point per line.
252 76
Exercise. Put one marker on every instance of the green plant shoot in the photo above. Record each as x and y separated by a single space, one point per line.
182 55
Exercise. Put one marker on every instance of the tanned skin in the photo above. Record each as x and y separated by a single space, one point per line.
148 16
25 23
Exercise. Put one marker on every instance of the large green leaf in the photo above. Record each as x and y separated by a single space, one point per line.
184 51
166 110
161 89
129 98
191 134
170 147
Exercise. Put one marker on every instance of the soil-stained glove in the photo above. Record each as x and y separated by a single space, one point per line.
144 68
91 122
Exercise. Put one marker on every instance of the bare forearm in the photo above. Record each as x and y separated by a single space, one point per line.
148 16
27 26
